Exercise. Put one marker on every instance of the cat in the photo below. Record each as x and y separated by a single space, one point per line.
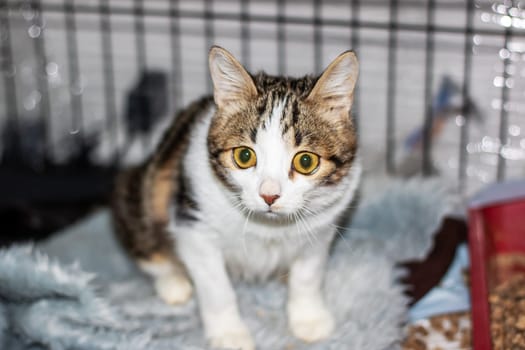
248 183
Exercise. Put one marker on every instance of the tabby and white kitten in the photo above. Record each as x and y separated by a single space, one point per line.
247 184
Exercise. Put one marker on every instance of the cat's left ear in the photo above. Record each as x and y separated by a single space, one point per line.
333 93
231 82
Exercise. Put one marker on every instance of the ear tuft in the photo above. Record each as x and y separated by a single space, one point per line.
334 89
231 82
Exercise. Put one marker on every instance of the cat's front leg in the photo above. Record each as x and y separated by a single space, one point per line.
220 315
308 317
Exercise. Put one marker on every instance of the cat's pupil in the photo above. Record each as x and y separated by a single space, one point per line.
245 155
306 161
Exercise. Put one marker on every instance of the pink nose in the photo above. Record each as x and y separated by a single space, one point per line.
269 198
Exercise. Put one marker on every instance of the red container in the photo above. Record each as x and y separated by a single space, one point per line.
497 249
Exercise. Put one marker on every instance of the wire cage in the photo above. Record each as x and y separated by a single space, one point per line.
88 86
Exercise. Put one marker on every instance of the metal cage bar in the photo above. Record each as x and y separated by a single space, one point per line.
175 51
262 18
318 37
109 75
354 42
391 90
281 38
504 115
245 34
465 93
429 80
140 40
39 47
8 72
77 111
209 35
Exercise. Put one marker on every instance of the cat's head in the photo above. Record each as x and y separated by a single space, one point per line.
282 145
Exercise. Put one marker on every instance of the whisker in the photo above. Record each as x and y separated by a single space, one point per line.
338 232
307 229
299 225
314 235
337 228
243 234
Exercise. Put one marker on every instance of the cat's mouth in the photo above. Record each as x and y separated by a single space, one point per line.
269 213
273 213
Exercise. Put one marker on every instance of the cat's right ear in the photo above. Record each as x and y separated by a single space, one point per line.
231 82
333 93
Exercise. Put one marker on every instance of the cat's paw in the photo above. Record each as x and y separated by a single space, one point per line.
237 339
174 289
309 320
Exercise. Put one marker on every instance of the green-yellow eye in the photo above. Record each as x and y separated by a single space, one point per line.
244 157
305 162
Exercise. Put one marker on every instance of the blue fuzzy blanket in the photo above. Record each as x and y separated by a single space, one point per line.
79 291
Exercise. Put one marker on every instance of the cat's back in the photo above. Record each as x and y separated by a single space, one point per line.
143 194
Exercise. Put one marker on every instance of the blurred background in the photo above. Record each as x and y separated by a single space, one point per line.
87 87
